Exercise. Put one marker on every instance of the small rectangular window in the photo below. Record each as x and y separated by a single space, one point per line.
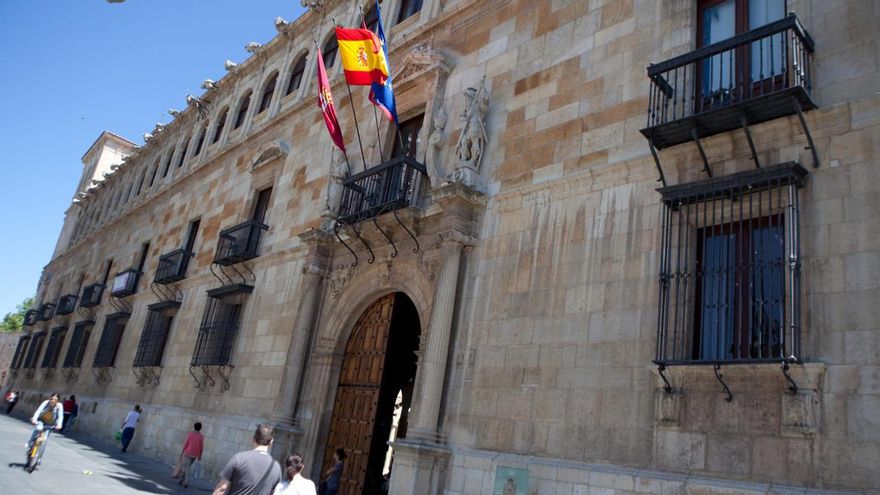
108 345
261 205
151 347
191 235
217 333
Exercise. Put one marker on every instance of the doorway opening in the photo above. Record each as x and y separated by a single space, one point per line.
374 394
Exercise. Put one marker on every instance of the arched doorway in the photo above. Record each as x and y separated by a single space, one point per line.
374 392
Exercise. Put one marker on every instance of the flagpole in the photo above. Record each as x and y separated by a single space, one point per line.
375 113
357 129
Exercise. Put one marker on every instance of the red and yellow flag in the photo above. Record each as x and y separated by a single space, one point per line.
325 101
362 56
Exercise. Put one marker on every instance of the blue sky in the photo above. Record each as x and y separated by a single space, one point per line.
71 69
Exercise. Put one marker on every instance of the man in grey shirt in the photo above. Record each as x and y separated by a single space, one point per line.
252 472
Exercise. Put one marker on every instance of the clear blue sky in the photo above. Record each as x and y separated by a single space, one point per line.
73 68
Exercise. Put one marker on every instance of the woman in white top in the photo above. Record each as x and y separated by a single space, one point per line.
295 484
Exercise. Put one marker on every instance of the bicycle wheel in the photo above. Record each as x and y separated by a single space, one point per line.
34 454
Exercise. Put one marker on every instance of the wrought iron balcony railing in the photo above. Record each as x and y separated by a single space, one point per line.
30 317
125 283
172 266
387 187
239 243
66 304
750 78
91 296
45 312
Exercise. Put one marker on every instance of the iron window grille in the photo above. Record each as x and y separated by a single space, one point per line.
45 312
239 243
389 186
125 283
730 269
111 337
151 347
91 295
66 304
53 348
172 266
764 73
20 351
82 330
217 332
30 317
34 350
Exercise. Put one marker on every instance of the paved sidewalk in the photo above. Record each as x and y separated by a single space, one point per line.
76 465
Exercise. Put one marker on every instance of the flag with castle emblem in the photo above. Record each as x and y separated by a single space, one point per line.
325 101
363 59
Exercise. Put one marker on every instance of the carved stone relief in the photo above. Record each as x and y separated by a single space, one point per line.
339 277
472 140
667 408
800 413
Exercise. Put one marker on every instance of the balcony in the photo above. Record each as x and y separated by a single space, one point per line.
30 317
66 304
125 283
239 243
172 266
753 77
45 312
387 187
91 296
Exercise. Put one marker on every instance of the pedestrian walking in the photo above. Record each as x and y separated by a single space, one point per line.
252 472
71 411
11 400
190 454
128 426
330 485
295 484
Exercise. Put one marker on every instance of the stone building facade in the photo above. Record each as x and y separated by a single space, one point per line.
519 305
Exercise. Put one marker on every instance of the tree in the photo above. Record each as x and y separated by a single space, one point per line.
13 322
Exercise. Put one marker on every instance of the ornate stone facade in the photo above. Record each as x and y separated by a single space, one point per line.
533 275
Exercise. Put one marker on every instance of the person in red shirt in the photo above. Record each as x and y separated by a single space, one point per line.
191 452
71 411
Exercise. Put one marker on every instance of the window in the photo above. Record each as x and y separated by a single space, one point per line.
153 176
151 347
34 350
111 337
168 163
217 332
371 18
183 153
409 8
20 351
732 73
405 141
218 130
191 235
242 110
53 350
329 51
261 205
729 275
199 142
140 183
268 91
78 342
296 75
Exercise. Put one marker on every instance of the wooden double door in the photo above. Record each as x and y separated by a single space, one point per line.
377 372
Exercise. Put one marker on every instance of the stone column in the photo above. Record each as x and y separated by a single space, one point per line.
294 365
432 367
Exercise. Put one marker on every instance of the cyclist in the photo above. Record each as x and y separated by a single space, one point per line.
51 415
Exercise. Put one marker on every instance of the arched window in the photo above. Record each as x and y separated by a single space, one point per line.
242 110
330 49
221 121
296 75
409 8
268 91
199 142
155 171
183 153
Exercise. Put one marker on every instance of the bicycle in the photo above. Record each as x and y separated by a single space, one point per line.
37 448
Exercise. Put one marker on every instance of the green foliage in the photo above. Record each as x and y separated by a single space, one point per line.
13 322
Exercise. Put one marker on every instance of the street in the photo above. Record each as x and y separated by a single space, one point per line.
75 465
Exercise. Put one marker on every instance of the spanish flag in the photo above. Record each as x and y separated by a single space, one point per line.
362 56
